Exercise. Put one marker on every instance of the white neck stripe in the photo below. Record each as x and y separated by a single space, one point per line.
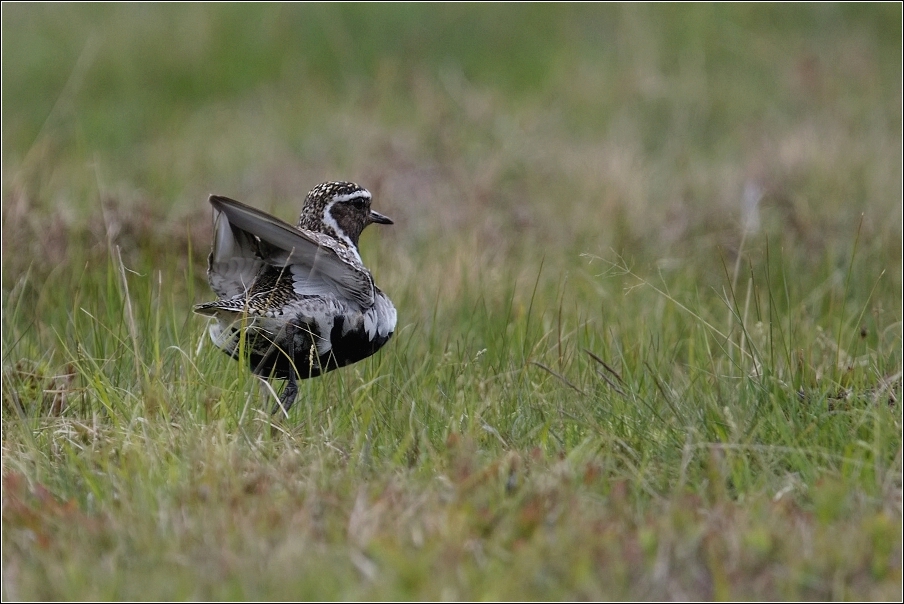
331 222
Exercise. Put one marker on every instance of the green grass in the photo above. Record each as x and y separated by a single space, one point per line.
613 377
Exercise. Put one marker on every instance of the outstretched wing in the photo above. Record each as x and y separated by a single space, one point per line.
246 239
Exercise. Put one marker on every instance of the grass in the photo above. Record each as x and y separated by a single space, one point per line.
647 262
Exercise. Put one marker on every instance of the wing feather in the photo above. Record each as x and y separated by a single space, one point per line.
234 261
316 263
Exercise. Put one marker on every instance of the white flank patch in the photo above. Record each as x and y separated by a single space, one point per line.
370 324
387 323
380 319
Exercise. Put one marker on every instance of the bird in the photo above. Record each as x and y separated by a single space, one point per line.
296 301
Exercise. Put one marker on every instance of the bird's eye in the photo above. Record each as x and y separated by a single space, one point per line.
358 202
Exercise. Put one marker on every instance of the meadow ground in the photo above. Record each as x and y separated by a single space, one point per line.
647 263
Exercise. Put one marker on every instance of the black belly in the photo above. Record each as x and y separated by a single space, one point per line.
269 360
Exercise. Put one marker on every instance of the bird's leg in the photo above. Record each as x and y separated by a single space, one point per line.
287 398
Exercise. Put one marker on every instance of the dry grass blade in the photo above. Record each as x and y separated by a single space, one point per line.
561 377
606 366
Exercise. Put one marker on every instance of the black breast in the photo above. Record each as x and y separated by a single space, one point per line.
347 349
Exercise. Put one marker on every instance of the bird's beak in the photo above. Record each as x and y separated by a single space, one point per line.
379 218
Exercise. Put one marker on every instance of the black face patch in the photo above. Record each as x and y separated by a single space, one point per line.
312 215
350 217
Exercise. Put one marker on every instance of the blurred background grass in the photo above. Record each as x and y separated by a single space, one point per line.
155 95
545 166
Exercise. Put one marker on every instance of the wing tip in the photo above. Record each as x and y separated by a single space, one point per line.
218 200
